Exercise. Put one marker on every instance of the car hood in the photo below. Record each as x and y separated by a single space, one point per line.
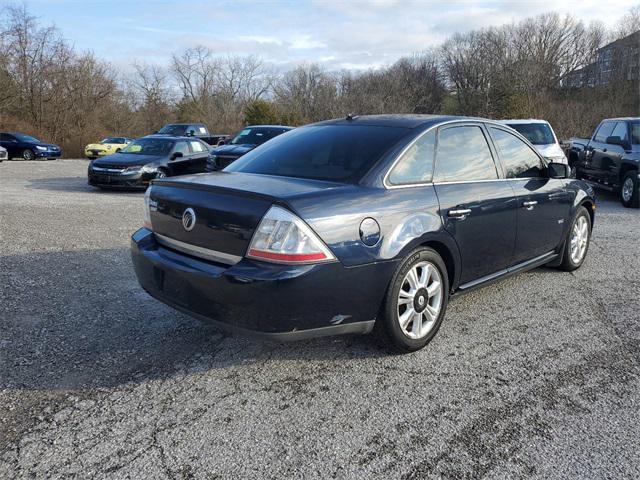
232 150
550 150
128 159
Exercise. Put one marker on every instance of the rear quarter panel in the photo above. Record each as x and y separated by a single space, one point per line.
408 217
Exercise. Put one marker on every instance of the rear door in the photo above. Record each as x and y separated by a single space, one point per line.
615 152
10 143
543 202
199 156
597 159
477 206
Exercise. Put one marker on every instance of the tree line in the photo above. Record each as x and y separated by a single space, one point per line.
519 70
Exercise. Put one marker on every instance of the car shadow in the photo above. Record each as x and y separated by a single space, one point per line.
75 184
78 319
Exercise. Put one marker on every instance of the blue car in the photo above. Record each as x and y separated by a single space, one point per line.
360 224
27 147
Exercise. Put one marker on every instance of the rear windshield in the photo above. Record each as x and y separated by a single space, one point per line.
178 130
256 136
635 133
536 133
342 153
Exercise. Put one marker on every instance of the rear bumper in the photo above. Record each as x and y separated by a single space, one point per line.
275 301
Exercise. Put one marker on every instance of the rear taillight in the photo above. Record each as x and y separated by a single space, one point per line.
147 212
282 237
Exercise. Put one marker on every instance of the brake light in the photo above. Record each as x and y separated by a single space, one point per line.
147 209
282 237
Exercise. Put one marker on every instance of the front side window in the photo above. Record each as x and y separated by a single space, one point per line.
26 138
604 131
182 147
518 159
464 155
416 164
620 131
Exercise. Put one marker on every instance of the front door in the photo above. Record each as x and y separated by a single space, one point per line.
543 202
478 208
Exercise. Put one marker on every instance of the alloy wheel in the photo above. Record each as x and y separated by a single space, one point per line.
627 189
579 239
420 300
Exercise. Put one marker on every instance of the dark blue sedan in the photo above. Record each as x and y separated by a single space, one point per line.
357 224
27 147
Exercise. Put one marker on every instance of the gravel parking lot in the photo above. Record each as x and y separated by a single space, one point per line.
537 376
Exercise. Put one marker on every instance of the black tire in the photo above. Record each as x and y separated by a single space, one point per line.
27 154
117 150
568 263
632 200
387 327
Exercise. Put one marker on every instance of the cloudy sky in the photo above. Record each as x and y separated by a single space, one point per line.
338 33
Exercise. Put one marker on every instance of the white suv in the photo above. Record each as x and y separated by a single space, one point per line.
541 136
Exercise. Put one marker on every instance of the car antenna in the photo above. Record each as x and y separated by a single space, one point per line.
351 116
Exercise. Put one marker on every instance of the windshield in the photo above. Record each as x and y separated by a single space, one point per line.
256 136
536 133
113 140
178 130
635 133
321 152
149 146
26 138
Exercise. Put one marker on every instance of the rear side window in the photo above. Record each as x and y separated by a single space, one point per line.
416 164
464 155
197 146
517 157
342 153
604 131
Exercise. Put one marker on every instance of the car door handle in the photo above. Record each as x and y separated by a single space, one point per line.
529 205
459 213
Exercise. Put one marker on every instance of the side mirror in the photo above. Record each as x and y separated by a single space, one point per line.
558 170
176 155
618 141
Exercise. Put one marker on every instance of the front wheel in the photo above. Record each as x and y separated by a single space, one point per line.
415 302
28 154
577 242
630 191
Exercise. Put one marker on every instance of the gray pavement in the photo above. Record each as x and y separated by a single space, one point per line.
537 376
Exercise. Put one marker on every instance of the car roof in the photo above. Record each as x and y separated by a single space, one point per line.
621 119
167 137
408 121
523 121
286 127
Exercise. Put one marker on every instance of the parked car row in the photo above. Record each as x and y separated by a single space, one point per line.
27 147
164 155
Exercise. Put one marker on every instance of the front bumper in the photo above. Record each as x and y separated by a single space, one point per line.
278 301
96 153
47 153
134 180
